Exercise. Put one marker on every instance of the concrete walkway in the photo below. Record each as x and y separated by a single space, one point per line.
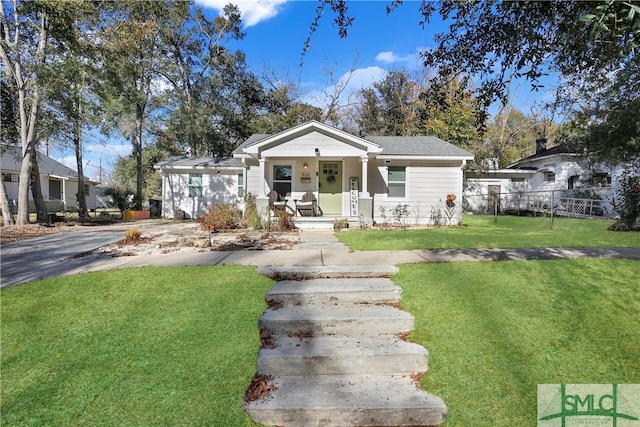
317 248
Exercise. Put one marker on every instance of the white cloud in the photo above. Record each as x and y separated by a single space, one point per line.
68 161
359 79
410 61
253 12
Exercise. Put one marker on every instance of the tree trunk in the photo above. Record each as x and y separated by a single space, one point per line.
7 215
137 149
28 122
83 212
36 191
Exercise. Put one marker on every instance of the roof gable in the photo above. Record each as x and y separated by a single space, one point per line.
258 143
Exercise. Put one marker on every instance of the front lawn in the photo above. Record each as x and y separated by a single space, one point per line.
496 330
484 232
178 346
151 346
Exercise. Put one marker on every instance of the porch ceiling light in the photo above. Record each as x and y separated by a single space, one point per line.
305 166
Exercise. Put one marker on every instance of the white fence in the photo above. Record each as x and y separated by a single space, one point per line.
578 203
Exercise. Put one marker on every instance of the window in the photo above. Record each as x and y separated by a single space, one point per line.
282 179
550 176
10 177
195 185
240 185
397 181
517 179
601 180
572 182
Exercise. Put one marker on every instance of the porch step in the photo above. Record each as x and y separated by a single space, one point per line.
348 290
336 319
341 355
347 400
324 222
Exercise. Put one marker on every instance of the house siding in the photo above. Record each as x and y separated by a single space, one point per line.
305 145
427 186
215 190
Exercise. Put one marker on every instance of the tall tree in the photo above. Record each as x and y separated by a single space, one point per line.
487 40
27 28
133 56
388 105
70 101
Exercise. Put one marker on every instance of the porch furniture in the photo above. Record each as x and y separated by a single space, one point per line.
308 206
278 204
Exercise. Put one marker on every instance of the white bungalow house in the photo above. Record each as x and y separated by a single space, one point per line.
555 169
352 177
59 183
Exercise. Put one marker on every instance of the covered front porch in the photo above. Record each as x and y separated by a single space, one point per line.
323 163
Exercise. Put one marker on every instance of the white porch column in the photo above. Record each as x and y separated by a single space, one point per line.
262 176
365 176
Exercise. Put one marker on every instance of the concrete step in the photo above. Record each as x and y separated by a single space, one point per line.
327 271
339 319
342 355
335 400
348 290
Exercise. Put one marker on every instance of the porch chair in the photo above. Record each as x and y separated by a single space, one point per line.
276 204
308 206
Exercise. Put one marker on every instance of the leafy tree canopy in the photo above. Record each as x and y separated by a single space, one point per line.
593 45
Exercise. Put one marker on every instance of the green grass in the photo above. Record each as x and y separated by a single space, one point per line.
152 346
496 330
484 232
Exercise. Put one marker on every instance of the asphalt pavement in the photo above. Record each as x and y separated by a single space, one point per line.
59 254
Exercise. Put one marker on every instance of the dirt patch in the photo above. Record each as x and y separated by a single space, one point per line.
15 233
162 237
190 237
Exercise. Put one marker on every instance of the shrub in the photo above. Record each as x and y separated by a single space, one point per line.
132 235
339 224
221 217
252 218
284 221
627 200
120 198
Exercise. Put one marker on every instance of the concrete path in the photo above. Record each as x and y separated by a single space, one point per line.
332 353
54 255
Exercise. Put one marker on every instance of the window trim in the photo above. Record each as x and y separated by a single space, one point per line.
289 181
193 186
241 185
405 182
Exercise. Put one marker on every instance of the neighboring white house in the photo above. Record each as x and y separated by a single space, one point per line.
59 183
352 177
553 169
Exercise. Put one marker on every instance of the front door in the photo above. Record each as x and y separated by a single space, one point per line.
330 187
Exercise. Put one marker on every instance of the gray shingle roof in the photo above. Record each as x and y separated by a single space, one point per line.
200 162
417 146
395 145
12 161
250 141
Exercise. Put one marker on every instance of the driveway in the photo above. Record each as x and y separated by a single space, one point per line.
49 255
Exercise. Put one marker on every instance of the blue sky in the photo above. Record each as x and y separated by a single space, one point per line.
275 34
